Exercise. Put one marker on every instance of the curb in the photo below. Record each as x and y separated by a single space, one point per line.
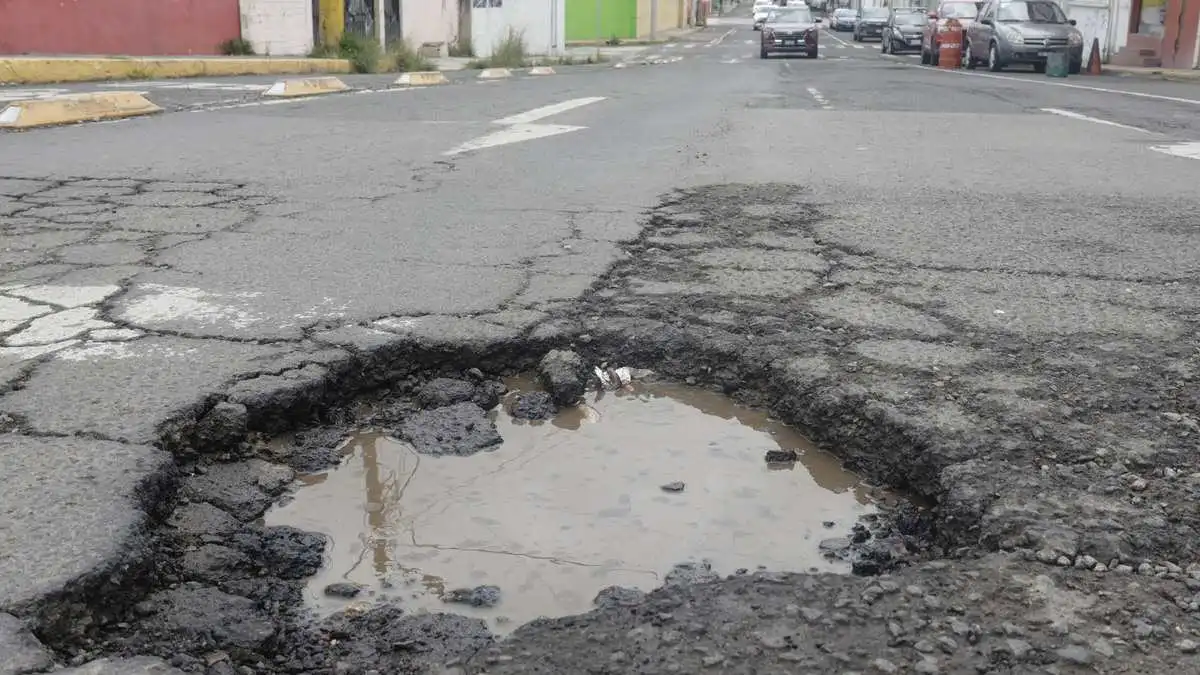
494 73
306 87
423 78
29 70
1153 73
73 108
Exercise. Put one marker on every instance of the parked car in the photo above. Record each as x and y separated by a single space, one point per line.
964 11
843 19
790 30
870 24
1012 32
903 30
761 9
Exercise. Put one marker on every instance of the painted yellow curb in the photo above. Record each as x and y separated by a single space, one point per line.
541 70
422 78
494 73
45 70
71 108
306 87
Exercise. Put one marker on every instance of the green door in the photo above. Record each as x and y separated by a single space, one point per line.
617 18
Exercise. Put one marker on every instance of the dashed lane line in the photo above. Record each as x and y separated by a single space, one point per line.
820 99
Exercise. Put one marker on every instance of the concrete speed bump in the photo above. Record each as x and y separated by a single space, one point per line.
422 78
309 86
494 73
541 70
73 108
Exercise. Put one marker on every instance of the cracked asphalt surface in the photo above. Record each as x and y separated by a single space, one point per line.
962 295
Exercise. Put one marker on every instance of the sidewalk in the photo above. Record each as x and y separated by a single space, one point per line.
1174 74
666 35
54 69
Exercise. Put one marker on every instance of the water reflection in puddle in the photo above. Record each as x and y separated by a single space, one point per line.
566 508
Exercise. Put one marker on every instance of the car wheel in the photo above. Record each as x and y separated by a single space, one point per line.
994 64
1039 68
1075 67
762 53
967 61
883 44
812 53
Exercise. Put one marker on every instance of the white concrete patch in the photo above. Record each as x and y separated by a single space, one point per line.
25 353
515 133
721 39
58 327
92 351
114 334
12 309
1188 150
1094 120
396 324
66 296
209 86
163 304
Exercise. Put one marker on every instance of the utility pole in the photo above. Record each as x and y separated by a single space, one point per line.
654 19
599 27
380 20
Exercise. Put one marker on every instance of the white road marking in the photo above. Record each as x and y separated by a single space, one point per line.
515 133
521 127
531 116
28 94
1189 150
1095 120
836 39
819 99
1102 90
721 39
689 45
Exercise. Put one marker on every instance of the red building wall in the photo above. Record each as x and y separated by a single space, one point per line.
132 27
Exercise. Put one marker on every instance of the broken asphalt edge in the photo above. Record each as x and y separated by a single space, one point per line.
51 70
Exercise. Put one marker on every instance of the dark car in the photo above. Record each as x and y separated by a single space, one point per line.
870 24
1022 31
843 19
790 30
903 30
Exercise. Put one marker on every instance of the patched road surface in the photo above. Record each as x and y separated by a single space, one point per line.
979 289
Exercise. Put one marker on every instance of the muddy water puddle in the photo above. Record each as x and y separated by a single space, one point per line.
565 508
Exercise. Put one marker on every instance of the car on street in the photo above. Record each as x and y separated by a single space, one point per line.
843 19
1027 32
963 11
760 11
903 30
870 23
790 30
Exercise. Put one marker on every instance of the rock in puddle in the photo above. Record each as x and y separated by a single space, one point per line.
673 486
565 376
781 456
480 596
691 573
343 590
138 665
445 391
244 489
533 405
618 596
461 429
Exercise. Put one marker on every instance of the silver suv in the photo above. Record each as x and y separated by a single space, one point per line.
1022 31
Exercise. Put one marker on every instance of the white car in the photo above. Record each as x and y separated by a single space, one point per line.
761 9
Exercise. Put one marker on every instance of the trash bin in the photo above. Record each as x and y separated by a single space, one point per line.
1057 64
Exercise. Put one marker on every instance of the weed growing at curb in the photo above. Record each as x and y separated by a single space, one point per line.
463 48
509 52
403 57
236 47
365 56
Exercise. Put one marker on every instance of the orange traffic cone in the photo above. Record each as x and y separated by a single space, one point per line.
1093 66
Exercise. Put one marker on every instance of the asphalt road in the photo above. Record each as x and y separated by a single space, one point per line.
1042 227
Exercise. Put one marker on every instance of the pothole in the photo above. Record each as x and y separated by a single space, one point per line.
631 488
